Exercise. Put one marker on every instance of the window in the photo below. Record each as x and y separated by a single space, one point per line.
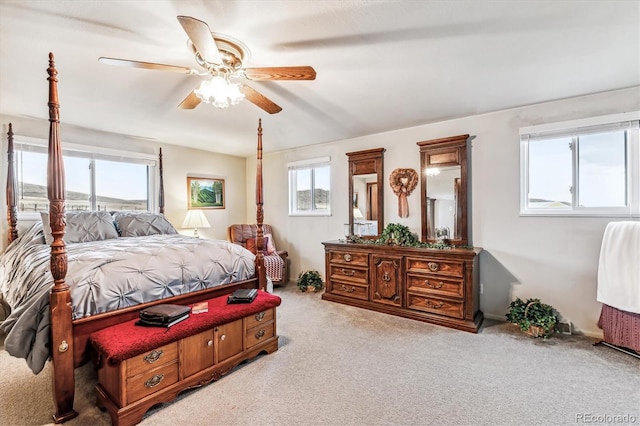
95 179
310 187
581 168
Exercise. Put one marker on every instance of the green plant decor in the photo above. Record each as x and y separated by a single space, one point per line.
400 235
310 279
533 317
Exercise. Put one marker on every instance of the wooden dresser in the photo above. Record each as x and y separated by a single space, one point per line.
436 286
127 389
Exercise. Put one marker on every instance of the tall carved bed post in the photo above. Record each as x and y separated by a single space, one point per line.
260 269
60 299
12 189
161 186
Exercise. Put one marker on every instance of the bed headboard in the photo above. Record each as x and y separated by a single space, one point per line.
12 187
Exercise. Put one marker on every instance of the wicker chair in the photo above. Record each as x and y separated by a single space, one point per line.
275 263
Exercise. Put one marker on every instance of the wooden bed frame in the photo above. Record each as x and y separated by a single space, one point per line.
69 338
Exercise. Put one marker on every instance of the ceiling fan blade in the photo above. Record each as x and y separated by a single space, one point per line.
200 35
190 102
259 99
146 65
280 73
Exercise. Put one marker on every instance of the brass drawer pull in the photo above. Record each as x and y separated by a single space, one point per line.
439 285
260 316
434 306
347 289
153 356
347 257
260 334
154 381
348 272
386 277
433 266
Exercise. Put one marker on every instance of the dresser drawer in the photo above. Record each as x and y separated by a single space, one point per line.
151 381
350 290
349 258
259 334
434 284
152 359
350 274
435 266
259 318
435 305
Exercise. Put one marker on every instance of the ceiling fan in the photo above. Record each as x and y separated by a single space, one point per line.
221 57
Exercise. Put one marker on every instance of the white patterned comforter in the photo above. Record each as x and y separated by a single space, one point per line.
107 275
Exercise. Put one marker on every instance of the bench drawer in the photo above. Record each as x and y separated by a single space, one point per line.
259 318
151 381
152 359
259 334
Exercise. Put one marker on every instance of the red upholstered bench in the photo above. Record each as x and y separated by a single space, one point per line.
142 366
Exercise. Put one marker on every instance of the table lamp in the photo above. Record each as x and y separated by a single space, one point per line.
195 219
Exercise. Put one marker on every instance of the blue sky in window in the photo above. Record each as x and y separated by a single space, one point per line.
601 174
114 179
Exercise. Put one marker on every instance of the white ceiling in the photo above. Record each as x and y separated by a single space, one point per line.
381 65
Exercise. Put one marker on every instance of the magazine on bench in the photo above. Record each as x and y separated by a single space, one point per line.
243 295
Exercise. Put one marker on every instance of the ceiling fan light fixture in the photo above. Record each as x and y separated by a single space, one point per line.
219 92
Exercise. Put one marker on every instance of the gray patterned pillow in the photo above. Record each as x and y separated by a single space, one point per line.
140 224
83 227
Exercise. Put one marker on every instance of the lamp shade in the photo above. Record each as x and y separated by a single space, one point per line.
357 214
195 219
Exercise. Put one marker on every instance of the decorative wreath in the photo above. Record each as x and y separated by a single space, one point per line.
395 180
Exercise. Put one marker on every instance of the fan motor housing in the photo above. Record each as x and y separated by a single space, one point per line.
232 51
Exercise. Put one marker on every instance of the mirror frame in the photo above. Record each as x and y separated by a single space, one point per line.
444 152
363 163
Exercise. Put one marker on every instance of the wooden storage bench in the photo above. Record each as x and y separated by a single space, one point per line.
139 367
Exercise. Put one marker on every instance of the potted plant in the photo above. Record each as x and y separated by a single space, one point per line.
535 318
310 281
397 234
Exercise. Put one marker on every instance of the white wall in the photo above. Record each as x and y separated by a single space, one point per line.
178 162
554 259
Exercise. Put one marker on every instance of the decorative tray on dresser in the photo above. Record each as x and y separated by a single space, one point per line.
432 285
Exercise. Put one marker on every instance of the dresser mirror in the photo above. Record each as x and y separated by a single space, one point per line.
366 212
443 182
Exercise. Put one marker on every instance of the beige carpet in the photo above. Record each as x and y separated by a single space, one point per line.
339 365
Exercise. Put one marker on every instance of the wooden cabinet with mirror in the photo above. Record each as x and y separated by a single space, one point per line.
366 215
426 284
443 163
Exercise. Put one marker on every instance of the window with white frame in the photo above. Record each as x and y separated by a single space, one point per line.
310 187
95 178
587 167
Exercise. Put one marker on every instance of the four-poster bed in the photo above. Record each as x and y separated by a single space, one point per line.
69 331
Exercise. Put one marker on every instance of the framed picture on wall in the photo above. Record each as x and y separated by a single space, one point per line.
205 193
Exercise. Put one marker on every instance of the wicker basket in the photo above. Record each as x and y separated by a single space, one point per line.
534 330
